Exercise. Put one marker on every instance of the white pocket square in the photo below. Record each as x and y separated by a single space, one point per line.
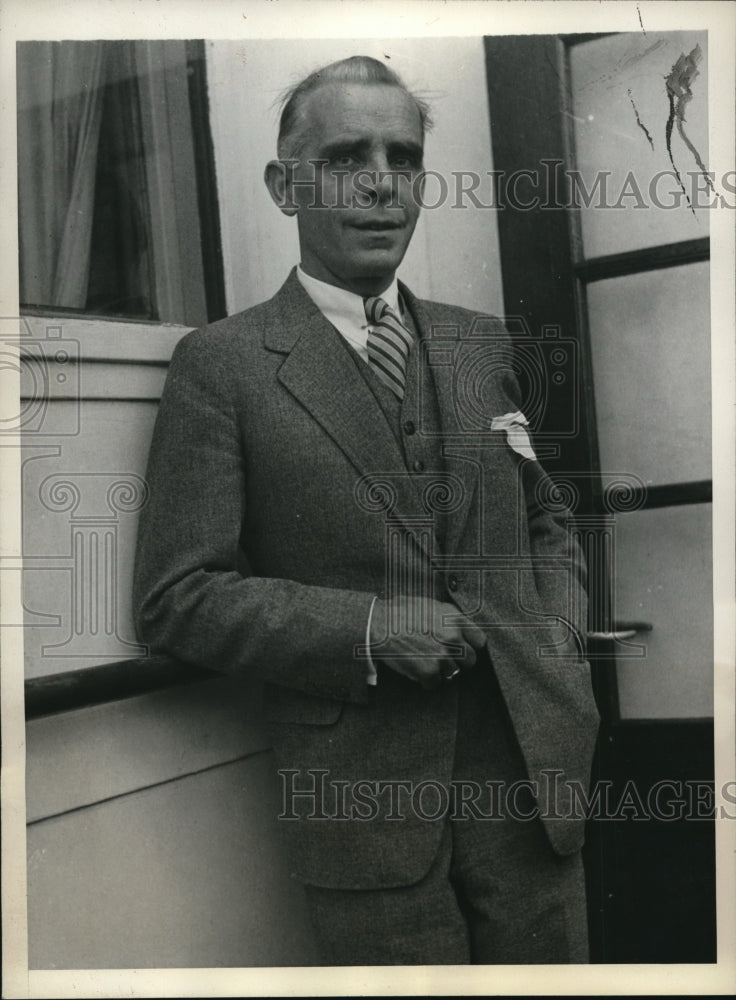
515 425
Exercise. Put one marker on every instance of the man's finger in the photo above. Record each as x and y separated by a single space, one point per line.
469 659
473 635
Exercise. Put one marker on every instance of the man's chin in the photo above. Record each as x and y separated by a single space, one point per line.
378 263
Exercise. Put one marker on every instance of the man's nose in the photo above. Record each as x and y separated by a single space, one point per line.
380 177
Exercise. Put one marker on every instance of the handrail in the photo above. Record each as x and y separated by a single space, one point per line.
106 682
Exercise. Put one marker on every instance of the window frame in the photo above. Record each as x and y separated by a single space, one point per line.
187 243
532 121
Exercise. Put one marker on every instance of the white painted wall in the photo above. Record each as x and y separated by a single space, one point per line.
164 807
454 256
83 468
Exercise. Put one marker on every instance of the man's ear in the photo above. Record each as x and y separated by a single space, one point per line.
278 176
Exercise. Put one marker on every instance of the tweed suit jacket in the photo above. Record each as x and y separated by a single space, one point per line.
262 546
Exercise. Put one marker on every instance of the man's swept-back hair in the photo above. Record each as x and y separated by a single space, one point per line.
293 126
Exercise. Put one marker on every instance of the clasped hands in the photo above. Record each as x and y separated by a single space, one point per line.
411 636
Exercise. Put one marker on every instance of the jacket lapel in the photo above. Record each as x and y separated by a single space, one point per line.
319 372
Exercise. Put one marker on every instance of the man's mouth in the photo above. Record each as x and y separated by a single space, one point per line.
377 225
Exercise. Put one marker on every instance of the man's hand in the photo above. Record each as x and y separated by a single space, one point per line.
409 635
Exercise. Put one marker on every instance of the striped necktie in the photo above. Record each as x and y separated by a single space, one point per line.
388 344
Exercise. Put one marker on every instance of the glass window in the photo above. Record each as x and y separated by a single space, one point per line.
107 181
636 99
663 576
650 345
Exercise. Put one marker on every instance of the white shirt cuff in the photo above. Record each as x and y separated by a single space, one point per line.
372 675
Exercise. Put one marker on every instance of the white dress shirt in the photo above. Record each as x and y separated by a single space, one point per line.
345 310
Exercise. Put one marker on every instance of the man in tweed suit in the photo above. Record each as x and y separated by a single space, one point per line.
344 502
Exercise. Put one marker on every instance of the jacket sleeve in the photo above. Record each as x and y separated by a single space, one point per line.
562 592
192 597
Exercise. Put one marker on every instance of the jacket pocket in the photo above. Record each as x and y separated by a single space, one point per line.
286 705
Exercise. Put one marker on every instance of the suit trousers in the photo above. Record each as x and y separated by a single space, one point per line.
496 892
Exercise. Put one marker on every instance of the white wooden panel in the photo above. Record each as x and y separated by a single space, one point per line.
102 339
89 395
71 504
77 758
119 381
185 874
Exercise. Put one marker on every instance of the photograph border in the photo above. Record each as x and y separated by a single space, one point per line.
187 19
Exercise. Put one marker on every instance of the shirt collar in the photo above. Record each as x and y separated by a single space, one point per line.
340 306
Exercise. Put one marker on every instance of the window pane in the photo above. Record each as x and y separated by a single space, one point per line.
621 108
108 212
664 577
650 343
121 276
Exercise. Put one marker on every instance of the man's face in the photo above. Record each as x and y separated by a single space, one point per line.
371 137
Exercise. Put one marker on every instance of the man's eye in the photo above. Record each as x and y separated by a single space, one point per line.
344 160
404 163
